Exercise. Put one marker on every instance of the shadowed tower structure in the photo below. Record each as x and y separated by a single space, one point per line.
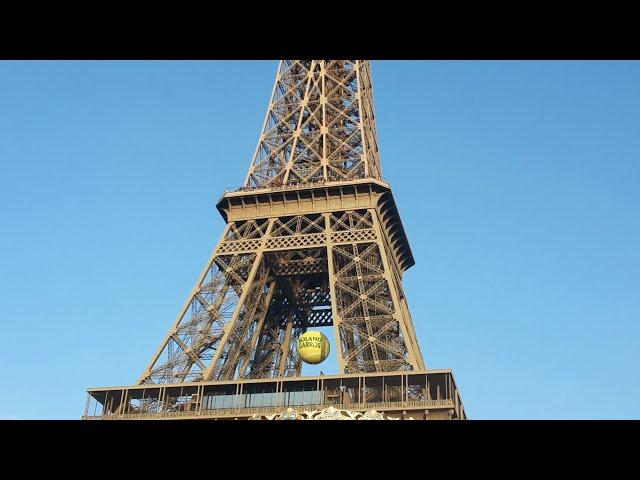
313 239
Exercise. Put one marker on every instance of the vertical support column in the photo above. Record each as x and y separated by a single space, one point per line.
199 396
279 396
414 357
253 343
405 387
208 373
365 155
332 289
296 134
86 407
284 348
162 399
364 390
125 405
325 123
264 124
238 398
121 406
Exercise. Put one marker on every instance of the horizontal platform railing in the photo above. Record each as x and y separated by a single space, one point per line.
268 410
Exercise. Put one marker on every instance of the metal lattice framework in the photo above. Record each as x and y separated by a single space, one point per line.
313 239
319 125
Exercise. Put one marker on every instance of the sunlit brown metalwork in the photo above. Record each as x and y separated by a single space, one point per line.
313 239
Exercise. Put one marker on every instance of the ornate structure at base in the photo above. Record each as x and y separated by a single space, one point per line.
329 413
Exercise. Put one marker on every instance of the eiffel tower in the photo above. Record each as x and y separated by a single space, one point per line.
313 239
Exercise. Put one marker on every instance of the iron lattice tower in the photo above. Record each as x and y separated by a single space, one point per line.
313 239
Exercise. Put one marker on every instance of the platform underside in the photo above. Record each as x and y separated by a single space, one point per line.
417 395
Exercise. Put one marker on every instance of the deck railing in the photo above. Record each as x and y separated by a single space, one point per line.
268 410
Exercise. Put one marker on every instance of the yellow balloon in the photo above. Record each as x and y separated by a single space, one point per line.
313 347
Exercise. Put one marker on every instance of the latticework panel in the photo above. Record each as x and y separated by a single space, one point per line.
186 351
369 329
244 317
299 232
268 349
351 220
296 241
302 299
319 125
298 225
246 230
237 345
243 236
240 246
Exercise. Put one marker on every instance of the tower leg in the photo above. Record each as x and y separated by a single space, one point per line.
374 331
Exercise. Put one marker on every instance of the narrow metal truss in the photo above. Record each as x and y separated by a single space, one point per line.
319 125
321 244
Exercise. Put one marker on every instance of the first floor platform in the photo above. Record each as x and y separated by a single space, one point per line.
417 395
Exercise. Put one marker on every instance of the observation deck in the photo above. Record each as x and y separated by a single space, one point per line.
417 395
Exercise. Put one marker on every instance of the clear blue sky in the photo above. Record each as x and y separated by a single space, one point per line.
518 184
